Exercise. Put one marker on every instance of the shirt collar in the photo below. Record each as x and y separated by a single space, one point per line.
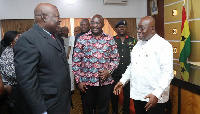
90 34
45 30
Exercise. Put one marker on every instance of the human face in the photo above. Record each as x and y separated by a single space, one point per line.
121 30
144 30
77 30
96 25
15 39
52 20
65 31
84 26
58 31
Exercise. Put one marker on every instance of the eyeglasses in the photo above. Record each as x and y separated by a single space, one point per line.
97 23
142 28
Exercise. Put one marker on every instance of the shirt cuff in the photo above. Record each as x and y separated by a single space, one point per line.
78 79
158 92
44 113
123 81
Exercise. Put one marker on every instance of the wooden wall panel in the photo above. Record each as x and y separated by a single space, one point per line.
190 102
176 45
169 31
174 98
177 68
195 54
193 9
194 30
170 1
168 12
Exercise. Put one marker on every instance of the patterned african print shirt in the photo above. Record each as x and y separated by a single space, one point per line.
91 55
7 68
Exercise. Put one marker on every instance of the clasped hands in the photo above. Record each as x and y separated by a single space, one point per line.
103 75
152 98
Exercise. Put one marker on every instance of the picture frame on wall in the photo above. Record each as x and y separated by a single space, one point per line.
153 7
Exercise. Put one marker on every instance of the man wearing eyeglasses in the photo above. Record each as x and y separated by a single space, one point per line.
41 66
151 70
95 57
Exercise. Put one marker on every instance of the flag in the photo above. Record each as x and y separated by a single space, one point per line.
184 47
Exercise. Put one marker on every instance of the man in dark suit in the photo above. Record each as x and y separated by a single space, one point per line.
41 65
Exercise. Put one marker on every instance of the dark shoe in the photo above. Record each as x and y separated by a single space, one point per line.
72 92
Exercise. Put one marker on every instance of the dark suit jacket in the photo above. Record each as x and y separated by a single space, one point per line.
42 72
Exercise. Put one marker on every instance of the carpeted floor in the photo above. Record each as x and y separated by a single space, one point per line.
77 105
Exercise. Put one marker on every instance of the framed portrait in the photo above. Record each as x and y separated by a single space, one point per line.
153 7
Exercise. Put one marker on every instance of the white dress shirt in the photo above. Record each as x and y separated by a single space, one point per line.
71 43
151 69
66 43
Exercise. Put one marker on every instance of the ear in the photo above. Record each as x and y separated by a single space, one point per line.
44 17
153 28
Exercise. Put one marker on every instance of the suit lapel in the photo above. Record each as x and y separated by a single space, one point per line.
50 40
54 43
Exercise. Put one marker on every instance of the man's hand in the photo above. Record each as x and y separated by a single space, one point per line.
118 88
82 87
104 74
152 101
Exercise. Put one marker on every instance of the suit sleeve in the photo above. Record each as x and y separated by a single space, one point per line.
26 57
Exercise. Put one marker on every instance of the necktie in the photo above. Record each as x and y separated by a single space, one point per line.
53 37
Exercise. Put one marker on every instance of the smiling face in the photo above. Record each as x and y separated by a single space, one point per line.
47 16
52 20
97 24
146 28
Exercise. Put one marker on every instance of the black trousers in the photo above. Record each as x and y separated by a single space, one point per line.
96 96
139 108
126 99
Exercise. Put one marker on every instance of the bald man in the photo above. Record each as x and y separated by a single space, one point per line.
151 70
95 57
42 69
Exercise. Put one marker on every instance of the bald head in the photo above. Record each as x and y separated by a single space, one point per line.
99 17
97 23
47 16
77 30
146 28
148 20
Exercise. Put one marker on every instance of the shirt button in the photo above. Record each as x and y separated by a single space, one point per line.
122 56
122 50
122 63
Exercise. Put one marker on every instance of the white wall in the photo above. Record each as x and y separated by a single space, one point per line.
0 31
23 9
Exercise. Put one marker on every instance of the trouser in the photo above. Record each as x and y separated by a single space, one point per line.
126 98
139 108
15 103
72 77
96 96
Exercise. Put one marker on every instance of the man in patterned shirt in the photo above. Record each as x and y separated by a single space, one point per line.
95 57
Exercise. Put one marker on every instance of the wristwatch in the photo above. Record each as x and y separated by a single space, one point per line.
110 71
